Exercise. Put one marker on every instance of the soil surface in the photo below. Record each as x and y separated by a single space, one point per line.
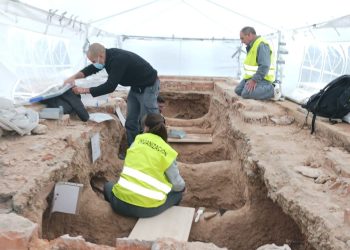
264 178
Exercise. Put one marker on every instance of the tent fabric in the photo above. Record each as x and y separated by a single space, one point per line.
341 22
44 41
196 18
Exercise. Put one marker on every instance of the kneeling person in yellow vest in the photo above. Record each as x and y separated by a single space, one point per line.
150 181
259 67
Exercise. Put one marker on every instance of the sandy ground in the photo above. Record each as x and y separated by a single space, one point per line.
266 177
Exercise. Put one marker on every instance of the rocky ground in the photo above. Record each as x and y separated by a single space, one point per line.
264 179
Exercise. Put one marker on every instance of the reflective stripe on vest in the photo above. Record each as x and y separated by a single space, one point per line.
251 70
251 65
143 181
146 178
141 190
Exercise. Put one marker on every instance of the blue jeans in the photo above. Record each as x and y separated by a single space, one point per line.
264 90
126 209
138 105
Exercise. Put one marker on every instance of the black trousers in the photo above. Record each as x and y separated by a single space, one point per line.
126 209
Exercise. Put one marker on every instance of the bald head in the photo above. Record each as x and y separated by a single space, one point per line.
95 50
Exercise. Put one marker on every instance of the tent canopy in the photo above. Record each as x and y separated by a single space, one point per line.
195 18
45 41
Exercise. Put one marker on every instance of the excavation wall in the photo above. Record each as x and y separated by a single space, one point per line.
266 178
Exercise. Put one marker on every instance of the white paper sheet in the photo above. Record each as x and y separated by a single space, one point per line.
100 117
95 147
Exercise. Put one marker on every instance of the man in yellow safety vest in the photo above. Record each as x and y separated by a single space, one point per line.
259 67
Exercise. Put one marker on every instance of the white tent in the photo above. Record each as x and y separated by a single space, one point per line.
44 41
195 18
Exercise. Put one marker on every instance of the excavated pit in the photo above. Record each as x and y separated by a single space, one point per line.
215 179
193 105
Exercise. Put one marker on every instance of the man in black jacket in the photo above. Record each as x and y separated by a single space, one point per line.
128 69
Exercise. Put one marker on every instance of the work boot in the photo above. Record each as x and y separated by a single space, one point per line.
277 93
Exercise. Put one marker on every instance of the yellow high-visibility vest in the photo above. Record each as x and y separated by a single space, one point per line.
251 64
143 181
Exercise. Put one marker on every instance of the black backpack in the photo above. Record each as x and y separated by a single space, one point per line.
333 101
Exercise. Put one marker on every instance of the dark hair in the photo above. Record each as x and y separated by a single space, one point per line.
156 125
248 30
160 99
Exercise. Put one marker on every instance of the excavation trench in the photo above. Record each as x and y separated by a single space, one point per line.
188 106
215 179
